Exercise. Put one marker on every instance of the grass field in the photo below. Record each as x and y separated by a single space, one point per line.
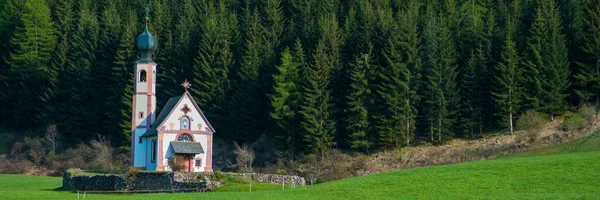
568 170
561 176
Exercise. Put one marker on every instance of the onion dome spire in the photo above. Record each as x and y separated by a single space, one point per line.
146 43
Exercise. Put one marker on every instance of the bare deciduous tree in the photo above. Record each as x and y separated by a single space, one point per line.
244 157
51 137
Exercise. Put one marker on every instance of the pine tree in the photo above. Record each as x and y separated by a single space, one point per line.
508 83
183 52
556 75
318 128
397 88
535 63
357 114
440 77
214 59
548 65
10 19
33 43
79 117
121 90
244 109
64 27
589 77
286 98
110 32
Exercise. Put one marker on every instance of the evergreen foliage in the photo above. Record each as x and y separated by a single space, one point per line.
311 75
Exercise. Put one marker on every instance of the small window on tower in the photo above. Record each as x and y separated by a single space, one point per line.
143 76
141 115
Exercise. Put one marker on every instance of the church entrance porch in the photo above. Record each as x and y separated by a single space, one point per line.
187 161
187 151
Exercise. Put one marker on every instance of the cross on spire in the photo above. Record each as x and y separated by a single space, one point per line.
186 85
147 8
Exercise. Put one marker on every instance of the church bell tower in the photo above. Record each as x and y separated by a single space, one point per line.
144 97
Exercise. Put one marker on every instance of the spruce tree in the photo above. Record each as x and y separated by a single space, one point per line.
357 114
121 90
508 83
214 59
589 77
557 72
441 97
286 98
34 42
535 64
65 20
317 126
161 26
244 108
110 32
78 115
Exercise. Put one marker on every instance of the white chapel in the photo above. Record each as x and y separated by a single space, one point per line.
180 131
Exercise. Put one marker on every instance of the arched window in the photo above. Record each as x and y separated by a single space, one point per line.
185 123
185 138
143 76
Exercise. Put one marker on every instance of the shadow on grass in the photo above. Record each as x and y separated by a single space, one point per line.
58 189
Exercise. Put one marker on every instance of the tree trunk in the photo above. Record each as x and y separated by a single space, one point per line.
597 74
511 122
440 121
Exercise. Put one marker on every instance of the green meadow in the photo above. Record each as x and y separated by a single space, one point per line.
563 171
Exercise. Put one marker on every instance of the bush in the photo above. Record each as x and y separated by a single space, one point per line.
331 165
218 175
574 122
200 177
132 173
176 163
588 112
531 122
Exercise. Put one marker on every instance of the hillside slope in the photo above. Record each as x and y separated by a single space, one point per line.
490 147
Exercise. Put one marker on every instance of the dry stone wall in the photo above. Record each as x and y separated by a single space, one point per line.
270 178
143 181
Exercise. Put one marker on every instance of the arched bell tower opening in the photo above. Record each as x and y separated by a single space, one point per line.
144 97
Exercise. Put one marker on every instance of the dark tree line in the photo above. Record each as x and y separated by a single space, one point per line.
310 74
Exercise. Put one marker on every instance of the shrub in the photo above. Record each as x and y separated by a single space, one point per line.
104 154
530 123
200 176
218 175
176 163
132 173
588 112
330 165
574 122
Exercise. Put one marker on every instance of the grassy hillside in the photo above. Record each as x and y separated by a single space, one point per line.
588 143
562 176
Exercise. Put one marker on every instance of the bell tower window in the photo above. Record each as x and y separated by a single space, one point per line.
143 76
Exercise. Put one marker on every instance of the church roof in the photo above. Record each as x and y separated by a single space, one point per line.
187 147
167 110
163 115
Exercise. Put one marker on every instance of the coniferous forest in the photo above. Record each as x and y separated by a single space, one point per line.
307 74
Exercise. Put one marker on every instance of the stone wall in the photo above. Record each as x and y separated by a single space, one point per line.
143 181
258 177
75 179
270 178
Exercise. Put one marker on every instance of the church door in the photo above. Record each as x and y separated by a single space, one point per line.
188 160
